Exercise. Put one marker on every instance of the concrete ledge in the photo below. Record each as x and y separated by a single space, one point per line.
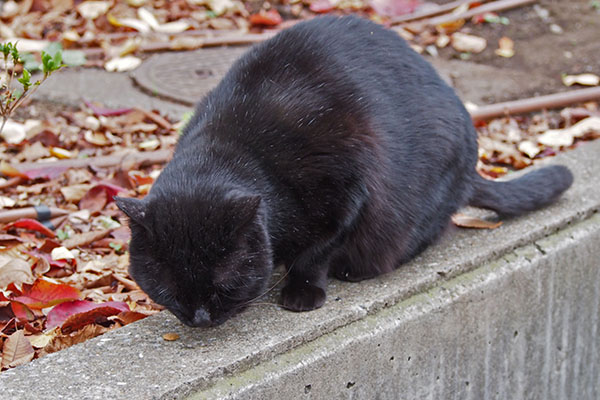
507 313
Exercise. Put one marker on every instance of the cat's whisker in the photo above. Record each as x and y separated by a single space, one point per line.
264 303
251 301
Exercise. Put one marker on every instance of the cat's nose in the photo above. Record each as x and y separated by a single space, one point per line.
201 318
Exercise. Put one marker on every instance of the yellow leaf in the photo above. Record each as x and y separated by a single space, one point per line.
466 221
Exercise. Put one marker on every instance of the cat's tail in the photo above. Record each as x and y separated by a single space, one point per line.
531 191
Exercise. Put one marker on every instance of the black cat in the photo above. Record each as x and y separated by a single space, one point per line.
332 148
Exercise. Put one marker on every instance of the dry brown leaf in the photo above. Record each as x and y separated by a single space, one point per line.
81 239
170 336
582 79
16 351
62 341
74 193
467 221
506 47
14 270
468 43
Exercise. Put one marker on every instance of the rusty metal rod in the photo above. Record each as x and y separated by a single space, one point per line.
555 100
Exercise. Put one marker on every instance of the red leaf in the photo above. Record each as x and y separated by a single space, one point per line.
394 8
76 314
44 294
31 224
45 172
21 311
99 196
38 253
321 6
107 112
269 18
6 314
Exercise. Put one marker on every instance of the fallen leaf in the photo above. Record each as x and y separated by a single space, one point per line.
394 8
6 202
220 7
30 224
75 314
13 132
147 17
93 9
62 341
44 293
14 270
106 112
81 239
582 79
75 193
449 27
16 351
466 221
321 6
41 340
268 18
21 311
505 47
122 64
98 196
8 170
529 148
61 253
127 317
170 336
60 153
49 172
468 43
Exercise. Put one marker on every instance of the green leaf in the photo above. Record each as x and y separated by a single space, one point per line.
47 62
25 79
74 58
115 246
62 235
57 60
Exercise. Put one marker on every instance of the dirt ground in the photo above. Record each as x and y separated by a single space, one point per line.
541 56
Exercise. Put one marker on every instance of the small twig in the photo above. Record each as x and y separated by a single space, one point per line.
143 158
441 9
129 284
157 119
489 7
196 43
535 103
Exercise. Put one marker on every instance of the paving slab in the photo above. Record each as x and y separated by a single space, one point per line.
174 82
134 362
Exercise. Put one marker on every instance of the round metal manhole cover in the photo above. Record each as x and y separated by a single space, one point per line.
186 76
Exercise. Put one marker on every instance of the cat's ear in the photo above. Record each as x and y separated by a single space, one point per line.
135 209
244 208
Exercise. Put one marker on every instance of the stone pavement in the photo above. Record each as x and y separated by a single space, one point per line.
505 313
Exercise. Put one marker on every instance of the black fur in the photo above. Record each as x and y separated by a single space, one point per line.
331 148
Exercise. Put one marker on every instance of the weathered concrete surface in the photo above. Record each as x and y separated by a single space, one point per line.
431 307
523 326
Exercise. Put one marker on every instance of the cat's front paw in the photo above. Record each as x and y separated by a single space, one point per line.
302 296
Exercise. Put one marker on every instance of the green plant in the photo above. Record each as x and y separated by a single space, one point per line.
12 97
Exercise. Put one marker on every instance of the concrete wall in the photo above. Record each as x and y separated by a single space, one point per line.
524 326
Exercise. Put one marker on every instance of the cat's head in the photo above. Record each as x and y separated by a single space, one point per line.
203 259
